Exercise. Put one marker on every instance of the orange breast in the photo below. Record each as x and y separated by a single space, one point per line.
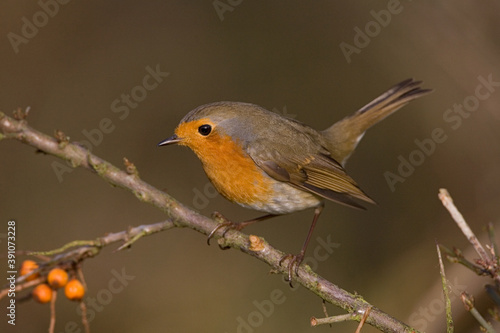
233 172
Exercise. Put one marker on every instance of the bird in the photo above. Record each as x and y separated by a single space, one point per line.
277 165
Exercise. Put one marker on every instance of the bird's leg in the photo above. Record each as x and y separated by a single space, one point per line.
228 225
296 259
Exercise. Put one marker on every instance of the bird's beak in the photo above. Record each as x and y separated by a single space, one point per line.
170 141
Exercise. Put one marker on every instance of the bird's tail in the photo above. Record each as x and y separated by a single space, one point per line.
344 135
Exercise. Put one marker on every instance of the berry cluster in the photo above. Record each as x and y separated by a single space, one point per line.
56 279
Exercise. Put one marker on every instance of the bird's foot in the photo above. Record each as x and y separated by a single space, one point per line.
225 224
293 265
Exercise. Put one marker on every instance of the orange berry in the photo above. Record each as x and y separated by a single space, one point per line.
27 267
57 278
42 293
74 290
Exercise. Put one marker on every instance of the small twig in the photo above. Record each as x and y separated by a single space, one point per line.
145 230
85 251
75 243
81 277
363 319
462 224
361 316
85 321
457 257
494 248
325 310
449 318
22 286
77 254
468 302
52 325
334 319
83 306
480 319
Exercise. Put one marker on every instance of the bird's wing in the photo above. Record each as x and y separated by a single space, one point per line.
312 171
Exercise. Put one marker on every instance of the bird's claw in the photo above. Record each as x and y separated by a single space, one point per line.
223 223
295 261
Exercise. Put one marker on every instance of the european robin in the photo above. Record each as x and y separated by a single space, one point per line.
265 161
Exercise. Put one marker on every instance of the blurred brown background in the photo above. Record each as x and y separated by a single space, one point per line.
281 55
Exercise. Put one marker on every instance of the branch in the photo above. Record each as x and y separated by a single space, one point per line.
182 216
444 282
488 263
447 201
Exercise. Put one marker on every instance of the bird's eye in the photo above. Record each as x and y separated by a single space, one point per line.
205 129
